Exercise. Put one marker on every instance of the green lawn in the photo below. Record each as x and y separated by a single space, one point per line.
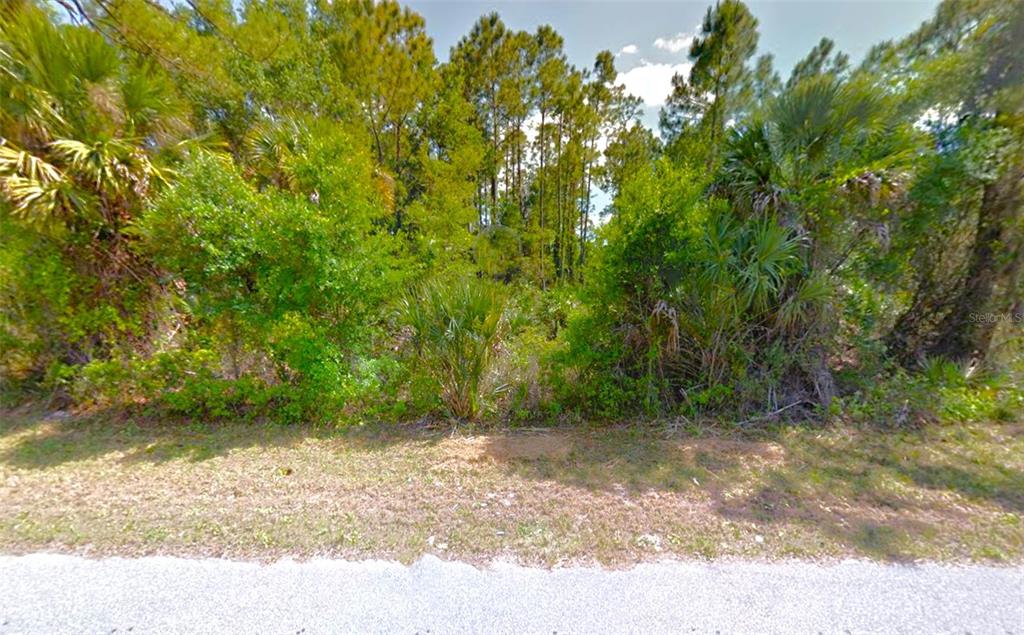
129 485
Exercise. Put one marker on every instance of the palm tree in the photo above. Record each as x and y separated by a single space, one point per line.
81 125
812 143
84 133
811 160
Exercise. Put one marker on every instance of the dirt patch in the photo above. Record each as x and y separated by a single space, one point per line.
720 453
508 448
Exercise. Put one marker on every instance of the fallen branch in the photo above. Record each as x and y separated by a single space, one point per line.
774 413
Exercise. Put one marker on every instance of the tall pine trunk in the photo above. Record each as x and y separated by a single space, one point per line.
967 330
542 249
559 264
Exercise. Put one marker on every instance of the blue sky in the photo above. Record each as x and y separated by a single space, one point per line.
651 38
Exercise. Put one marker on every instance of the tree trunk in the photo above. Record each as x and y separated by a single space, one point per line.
494 150
542 250
583 222
586 213
966 331
559 266
398 145
519 175
821 375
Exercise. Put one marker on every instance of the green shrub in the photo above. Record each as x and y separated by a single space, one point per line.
687 305
456 328
127 377
588 374
211 397
941 391
296 279
36 296
523 360
53 311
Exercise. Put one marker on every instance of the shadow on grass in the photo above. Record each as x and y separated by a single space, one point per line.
862 488
42 441
868 489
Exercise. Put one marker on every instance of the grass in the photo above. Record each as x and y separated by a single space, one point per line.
121 484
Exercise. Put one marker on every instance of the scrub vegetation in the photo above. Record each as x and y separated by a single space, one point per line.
235 236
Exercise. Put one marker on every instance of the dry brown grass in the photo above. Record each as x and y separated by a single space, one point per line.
127 485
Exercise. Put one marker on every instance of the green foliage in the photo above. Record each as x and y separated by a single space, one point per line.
719 83
456 329
686 300
209 207
941 391
251 254
82 128
390 67
126 378
296 279
215 398
35 300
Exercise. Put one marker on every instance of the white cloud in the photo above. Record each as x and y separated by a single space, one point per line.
531 126
674 44
651 82
629 49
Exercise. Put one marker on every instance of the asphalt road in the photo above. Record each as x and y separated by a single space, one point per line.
52 594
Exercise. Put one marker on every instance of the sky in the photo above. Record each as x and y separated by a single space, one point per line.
651 39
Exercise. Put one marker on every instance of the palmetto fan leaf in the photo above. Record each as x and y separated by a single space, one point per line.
38 202
270 146
91 57
60 81
19 162
36 189
40 190
748 262
456 328
114 164
24 106
150 107
772 252
821 131
802 303
822 126
751 168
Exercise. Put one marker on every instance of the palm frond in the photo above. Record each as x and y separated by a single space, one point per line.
804 303
38 202
15 162
456 327
116 166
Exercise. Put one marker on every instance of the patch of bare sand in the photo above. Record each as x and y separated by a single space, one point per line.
507 448
713 453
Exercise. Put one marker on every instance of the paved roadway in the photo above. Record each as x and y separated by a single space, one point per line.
51 594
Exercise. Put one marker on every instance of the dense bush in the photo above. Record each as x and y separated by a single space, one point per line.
328 224
456 329
688 308
80 126
292 283
942 391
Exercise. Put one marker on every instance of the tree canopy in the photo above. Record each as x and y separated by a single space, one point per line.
293 207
